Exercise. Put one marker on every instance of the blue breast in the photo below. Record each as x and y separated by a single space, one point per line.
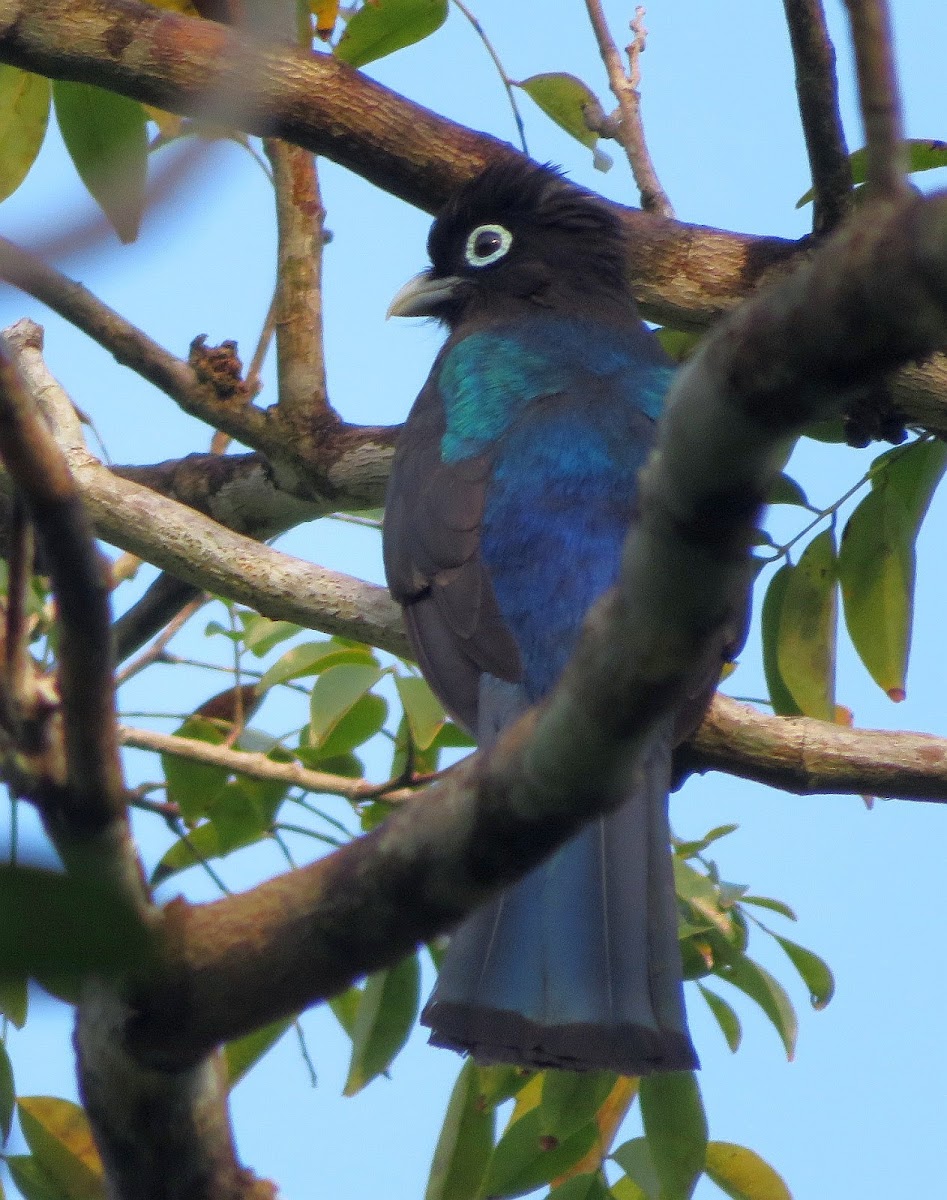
568 409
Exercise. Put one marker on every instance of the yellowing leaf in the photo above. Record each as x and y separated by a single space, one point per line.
58 1134
24 115
742 1174
326 13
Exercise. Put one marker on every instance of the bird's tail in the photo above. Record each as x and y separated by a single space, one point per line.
578 966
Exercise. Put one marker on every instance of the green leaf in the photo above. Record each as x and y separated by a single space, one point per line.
465 1143
14 997
725 1016
423 710
676 1129
344 1008
24 115
785 490
106 138
202 844
527 1156
678 343
634 1158
194 786
581 1187
387 1010
260 634
689 849
913 472
702 895
564 98
805 647
32 1180
776 906
244 1053
311 658
381 27
742 1174
499 1082
924 154
570 1099
783 703
626 1189
815 971
363 720
7 1093
757 983
57 1131
237 816
336 692
876 570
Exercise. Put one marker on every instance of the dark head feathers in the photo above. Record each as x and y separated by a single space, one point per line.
539 201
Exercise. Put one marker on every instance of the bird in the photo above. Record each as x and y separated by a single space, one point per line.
512 489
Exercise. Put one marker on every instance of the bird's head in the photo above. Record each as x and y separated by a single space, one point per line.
516 236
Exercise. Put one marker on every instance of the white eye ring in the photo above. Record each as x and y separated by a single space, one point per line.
494 241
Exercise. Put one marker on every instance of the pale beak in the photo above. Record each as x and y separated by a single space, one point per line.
423 295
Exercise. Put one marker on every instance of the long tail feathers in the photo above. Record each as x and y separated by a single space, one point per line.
578 965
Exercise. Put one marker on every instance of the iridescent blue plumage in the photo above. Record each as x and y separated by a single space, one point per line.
512 491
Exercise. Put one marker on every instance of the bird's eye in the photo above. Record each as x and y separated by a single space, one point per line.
486 244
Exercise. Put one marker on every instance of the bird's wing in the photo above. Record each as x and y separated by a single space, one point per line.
433 516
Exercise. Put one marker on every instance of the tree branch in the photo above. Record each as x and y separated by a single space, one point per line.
817 88
879 96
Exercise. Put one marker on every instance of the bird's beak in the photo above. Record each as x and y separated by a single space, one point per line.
423 295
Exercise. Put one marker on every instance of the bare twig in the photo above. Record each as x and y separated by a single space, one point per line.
879 96
303 398
625 87
157 648
258 766
817 89
501 70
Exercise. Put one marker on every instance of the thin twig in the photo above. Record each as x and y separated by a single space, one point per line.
255 765
157 648
625 87
879 96
501 71
817 89
16 640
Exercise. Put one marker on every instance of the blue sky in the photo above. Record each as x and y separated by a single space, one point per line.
858 1113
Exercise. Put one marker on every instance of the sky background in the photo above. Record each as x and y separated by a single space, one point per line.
860 1110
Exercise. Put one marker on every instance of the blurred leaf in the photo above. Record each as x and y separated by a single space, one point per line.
465 1143
336 692
678 343
423 710
725 1017
202 844
32 1180
326 13
689 849
244 1053
381 27
14 996
776 906
501 1082
608 1118
805 647
107 141
563 98
24 115
570 1099
588 1186
237 817
924 154
742 1174
701 894
913 472
783 703
634 1158
815 971
785 490
7 1093
57 1132
311 658
757 983
626 1189
676 1129
194 786
876 570
363 720
386 1013
260 634
344 1008
527 1156
56 923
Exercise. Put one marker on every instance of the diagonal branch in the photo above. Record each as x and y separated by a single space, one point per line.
817 88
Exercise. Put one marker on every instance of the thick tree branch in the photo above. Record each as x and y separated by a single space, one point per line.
873 297
803 756
817 89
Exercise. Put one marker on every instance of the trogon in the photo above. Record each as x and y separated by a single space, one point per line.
512 491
